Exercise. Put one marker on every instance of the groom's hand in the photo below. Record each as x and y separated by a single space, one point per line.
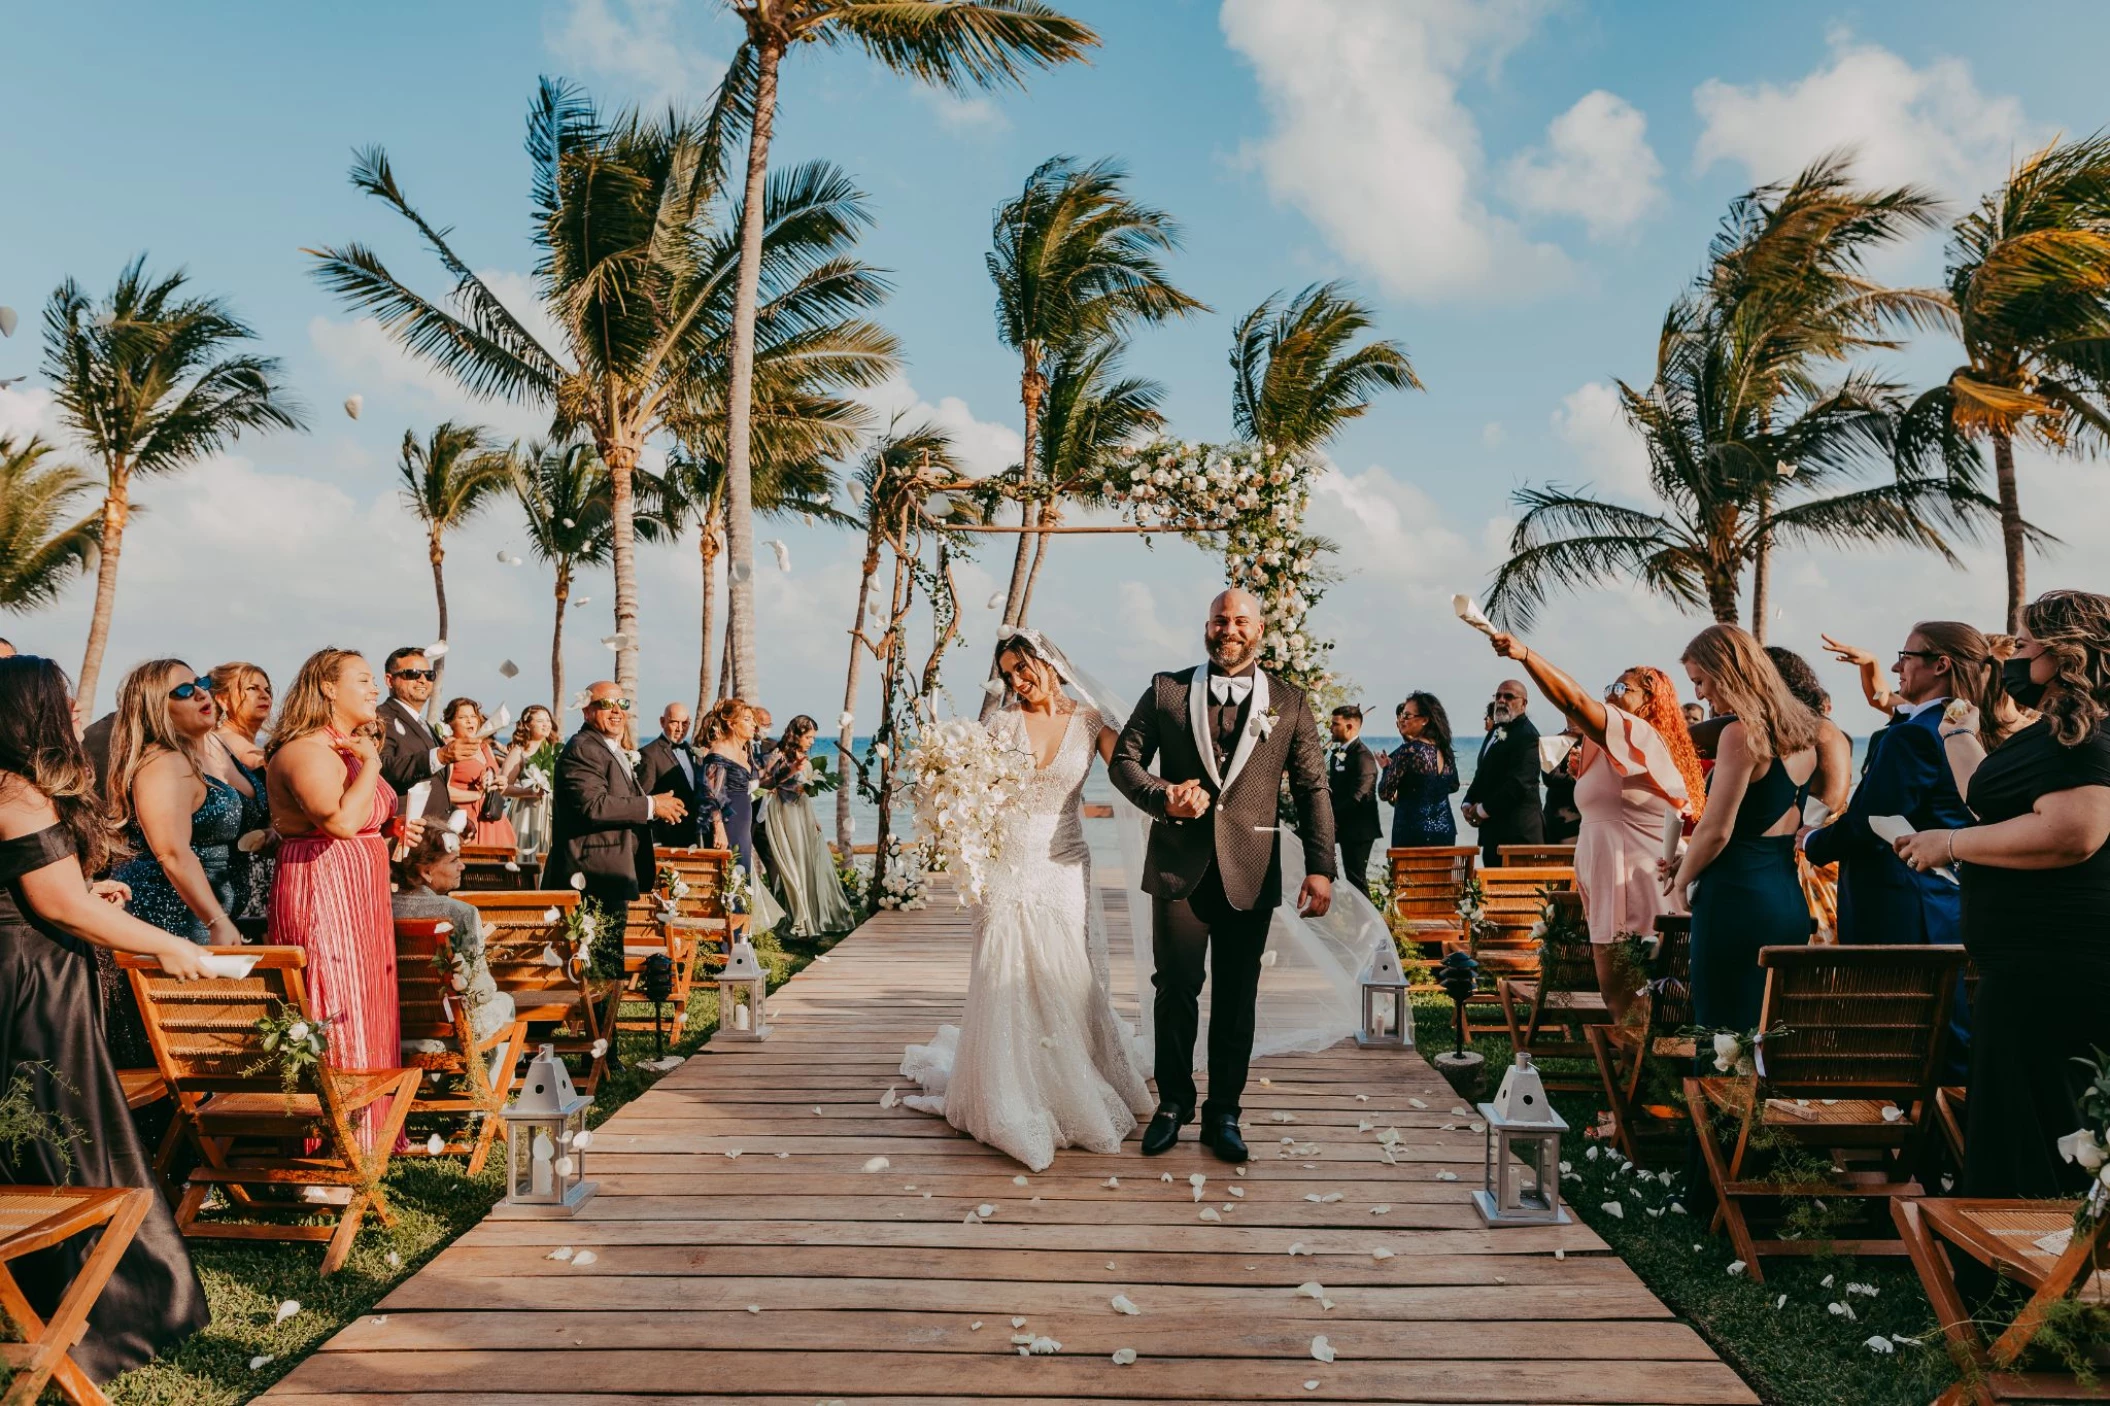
1316 896
1186 800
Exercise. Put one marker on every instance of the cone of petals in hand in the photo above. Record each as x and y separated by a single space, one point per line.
546 1139
743 995
1522 1185
1469 611
1387 1018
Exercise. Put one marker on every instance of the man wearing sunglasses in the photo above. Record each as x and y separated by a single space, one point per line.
601 819
411 752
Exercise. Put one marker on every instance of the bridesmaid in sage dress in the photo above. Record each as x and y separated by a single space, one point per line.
800 861
51 1026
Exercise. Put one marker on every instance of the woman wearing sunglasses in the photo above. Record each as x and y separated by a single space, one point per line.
180 822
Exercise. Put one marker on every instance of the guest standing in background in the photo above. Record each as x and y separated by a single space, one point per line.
2036 900
667 763
330 897
411 752
1503 801
1834 777
179 823
53 833
531 775
1694 715
724 798
243 692
476 788
601 829
1737 876
1420 776
425 877
1351 777
1563 820
802 865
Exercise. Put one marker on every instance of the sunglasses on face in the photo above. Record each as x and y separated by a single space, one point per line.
621 703
1618 688
184 692
415 674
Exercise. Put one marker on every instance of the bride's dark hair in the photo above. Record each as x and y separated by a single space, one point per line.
1030 644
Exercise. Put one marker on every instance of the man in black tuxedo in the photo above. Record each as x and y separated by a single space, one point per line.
411 751
1503 800
1351 778
601 819
667 763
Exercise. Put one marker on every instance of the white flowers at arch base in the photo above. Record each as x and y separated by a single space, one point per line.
964 780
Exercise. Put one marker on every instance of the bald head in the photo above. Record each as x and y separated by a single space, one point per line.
1233 631
1511 699
606 708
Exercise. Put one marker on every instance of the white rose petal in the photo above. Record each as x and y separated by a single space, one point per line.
877 1164
286 1310
1210 1213
1123 1356
1881 1346
1122 1303
583 1259
1321 1350
1736 1267
1381 1210
258 1363
1614 1210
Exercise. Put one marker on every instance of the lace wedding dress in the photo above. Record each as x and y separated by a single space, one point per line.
1040 1060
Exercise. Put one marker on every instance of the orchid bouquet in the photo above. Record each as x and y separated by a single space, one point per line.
966 780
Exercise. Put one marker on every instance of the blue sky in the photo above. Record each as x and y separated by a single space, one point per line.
1519 187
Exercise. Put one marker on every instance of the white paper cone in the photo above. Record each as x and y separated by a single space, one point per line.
1469 611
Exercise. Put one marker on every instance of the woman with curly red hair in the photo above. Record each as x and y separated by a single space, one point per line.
1636 773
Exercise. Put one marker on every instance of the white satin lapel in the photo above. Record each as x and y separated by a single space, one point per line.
1248 736
1198 718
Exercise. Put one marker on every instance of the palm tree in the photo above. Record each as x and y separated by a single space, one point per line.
1712 464
447 480
1075 262
958 45
40 550
1295 379
567 499
146 383
637 271
2029 275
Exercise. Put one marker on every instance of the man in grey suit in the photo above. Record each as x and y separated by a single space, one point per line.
1223 735
601 821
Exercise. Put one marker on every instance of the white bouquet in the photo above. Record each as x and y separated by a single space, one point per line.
965 780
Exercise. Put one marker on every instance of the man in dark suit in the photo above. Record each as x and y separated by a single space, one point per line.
1223 735
601 820
1351 780
1503 800
411 752
667 763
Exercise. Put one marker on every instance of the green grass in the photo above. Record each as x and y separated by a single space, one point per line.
435 1200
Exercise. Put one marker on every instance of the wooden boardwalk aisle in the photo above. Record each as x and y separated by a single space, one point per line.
742 1253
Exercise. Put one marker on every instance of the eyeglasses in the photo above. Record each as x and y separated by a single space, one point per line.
622 703
415 674
184 692
1930 655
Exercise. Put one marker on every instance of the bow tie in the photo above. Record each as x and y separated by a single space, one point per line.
1228 690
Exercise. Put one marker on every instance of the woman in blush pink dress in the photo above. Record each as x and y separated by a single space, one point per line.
468 783
1636 773
330 896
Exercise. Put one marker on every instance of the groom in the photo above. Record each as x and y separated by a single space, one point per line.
1222 734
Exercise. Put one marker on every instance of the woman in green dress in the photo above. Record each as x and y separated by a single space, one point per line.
799 859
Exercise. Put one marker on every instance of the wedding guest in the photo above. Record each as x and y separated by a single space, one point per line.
1875 684
601 829
530 772
1503 801
1737 876
411 752
179 823
329 804
724 804
1835 750
243 692
1420 776
54 832
1563 820
1694 715
2036 901
1351 776
802 865
667 763
1635 774
476 788
7 649
425 876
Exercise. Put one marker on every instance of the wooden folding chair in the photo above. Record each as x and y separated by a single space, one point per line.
2030 1242
35 1218
1626 1054
1862 1031
531 956
436 1019
1426 886
1513 898
494 869
249 1132
700 923
1547 1013
1536 856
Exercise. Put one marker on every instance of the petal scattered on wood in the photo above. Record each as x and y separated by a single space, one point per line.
1210 1213
1123 1356
877 1164
562 1252
1381 1253
583 1259
1122 1303
1321 1350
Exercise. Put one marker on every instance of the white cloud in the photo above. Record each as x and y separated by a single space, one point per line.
1929 125
637 42
1386 527
1371 140
1596 165
1589 420
975 116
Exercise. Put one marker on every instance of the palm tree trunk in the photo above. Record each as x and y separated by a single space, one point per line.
1762 569
728 680
116 510
439 594
891 653
2012 539
845 737
622 464
1030 387
707 548
556 646
739 400
1721 596
1050 515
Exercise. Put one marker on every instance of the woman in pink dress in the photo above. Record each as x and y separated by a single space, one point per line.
330 897
1636 773
469 782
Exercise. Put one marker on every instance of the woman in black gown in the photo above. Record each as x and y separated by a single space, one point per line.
2036 899
52 832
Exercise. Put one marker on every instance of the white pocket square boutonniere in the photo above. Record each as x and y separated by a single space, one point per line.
1500 734
1261 724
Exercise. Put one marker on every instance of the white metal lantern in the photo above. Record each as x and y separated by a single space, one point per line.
1523 1175
1387 1018
546 1138
743 995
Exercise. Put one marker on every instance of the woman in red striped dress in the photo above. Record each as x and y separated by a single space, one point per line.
330 896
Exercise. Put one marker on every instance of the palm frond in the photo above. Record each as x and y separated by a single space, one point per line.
959 45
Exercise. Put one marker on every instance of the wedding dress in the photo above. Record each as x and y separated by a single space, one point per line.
1039 1060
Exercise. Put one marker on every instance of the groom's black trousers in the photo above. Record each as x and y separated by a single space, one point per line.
1185 931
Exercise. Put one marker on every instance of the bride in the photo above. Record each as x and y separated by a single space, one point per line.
1039 1061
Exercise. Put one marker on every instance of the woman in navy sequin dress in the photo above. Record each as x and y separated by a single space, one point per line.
180 822
1420 776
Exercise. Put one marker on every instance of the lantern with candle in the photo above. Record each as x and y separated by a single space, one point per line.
546 1138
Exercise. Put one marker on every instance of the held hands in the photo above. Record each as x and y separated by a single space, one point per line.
1475 814
1186 800
1927 849
1315 896
668 807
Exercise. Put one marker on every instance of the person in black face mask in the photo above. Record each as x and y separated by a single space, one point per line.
2035 872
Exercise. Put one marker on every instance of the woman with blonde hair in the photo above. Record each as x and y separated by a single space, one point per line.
236 756
1737 876
180 823
1636 774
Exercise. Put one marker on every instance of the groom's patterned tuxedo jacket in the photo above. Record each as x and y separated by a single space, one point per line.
1275 734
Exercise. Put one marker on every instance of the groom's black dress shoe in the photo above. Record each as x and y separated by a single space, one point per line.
1163 1132
1220 1135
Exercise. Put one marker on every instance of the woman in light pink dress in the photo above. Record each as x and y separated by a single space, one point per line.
1636 772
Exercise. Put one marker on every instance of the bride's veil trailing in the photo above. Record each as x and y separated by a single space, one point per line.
1310 995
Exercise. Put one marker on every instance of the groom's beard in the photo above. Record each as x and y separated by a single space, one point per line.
1226 656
